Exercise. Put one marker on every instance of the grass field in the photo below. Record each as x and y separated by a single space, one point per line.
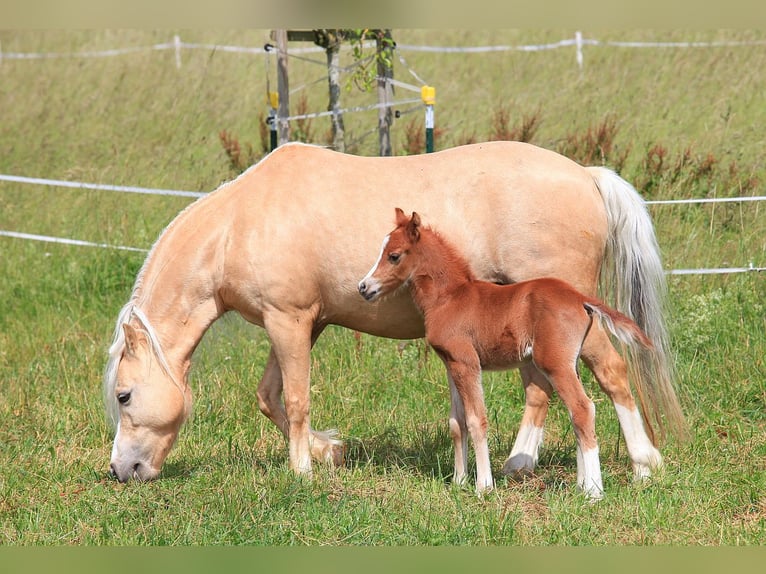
138 120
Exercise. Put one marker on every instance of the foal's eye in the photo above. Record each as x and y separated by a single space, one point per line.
123 398
393 257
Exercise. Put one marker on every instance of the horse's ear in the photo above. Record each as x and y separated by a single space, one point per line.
413 227
131 339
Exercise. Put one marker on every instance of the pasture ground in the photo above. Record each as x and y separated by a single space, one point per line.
137 120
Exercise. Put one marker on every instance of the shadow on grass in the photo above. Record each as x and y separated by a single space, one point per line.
426 452
430 455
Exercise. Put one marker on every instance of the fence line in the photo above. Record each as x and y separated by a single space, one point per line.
196 194
79 242
578 42
152 191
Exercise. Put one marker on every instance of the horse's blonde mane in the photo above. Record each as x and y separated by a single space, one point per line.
133 309
116 350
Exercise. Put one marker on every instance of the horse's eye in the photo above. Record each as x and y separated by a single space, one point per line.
393 257
123 398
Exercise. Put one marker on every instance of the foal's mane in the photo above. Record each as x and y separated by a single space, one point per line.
444 259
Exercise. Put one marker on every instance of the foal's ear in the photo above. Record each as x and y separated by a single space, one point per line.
413 227
400 218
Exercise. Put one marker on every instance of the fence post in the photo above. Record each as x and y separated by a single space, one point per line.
272 120
578 41
177 43
283 87
384 53
332 49
428 95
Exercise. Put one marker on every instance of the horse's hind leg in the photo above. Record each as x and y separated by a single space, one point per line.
526 448
611 372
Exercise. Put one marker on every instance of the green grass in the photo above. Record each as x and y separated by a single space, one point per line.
136 120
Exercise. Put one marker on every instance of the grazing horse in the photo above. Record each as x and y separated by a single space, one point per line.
272 245
476 325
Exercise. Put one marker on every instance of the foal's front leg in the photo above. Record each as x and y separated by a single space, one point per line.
459 432
464 371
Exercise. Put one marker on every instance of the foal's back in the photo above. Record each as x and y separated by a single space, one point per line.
508 325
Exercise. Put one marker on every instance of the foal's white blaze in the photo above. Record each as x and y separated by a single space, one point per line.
643 454
367 283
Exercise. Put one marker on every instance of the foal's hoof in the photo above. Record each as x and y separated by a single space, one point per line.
519 466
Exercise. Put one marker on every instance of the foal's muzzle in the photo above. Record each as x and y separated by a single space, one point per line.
369 293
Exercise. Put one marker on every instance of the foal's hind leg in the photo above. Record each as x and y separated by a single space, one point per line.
610 371
582 413
526 448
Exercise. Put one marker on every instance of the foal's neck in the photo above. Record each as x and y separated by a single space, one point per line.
441 270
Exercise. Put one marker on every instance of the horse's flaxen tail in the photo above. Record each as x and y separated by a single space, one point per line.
634 280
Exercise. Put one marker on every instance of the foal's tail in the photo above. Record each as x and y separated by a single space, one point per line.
633 278
621 326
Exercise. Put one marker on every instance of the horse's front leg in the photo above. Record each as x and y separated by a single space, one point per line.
526 449
324 447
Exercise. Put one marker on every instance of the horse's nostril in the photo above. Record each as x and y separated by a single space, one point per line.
112 471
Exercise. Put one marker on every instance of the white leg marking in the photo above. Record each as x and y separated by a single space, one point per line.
589 473
525 452
484 481
643 455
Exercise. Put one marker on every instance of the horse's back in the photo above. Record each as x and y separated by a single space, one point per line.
309 221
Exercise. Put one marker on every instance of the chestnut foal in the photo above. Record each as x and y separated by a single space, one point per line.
474 325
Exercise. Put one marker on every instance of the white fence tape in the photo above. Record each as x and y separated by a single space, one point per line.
98 186
577 41
150 191
49 239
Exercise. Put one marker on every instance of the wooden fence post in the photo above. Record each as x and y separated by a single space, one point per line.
332 49
283 87
385 53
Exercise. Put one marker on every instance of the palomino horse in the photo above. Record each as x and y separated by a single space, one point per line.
274 246
475 325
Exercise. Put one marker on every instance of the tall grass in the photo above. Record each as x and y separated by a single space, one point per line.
137 120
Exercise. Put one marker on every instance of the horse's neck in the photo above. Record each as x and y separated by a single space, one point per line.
441 271
177 289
